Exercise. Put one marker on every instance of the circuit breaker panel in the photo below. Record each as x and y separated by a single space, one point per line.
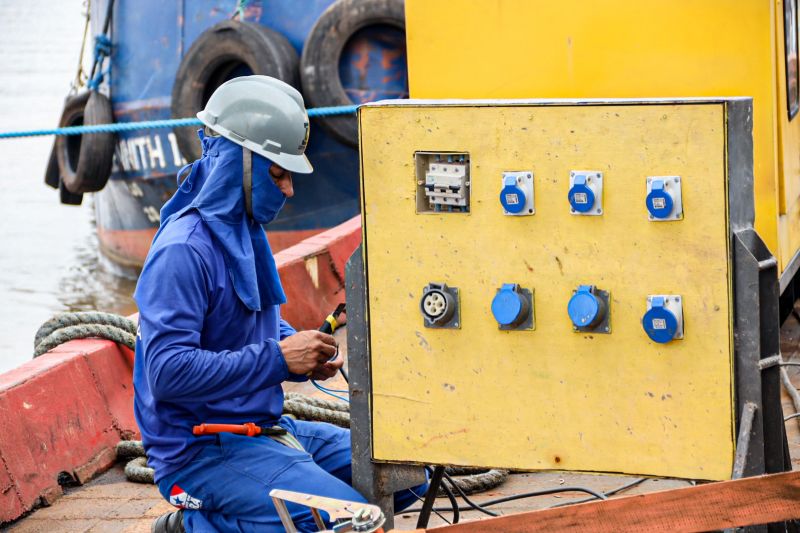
549 284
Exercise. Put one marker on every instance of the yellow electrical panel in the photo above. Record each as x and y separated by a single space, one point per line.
524 261
625 49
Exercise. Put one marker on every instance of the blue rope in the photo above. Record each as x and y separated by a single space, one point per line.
334 110
102 46
94 83
330 392
154 124
102 50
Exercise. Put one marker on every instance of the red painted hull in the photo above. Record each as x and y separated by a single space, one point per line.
129 247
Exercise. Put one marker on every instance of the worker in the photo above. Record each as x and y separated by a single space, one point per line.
212 347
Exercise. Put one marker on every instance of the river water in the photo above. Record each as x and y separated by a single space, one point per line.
49 259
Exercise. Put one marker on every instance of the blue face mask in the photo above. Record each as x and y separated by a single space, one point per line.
266 199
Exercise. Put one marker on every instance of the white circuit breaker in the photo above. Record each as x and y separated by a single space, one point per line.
443 182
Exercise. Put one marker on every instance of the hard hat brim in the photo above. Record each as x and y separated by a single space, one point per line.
293 163
298 163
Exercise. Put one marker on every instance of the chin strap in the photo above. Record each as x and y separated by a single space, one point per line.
247 180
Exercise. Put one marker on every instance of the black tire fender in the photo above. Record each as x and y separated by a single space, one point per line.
84 161
52 178
68 198
213 57
319 66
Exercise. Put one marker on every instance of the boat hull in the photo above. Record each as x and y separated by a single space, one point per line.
146 56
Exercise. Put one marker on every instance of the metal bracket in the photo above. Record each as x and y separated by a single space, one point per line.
743 441
769 362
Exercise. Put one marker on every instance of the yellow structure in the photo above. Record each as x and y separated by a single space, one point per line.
546 396
626 49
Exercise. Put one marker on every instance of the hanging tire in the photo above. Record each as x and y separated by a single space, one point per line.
51 174
68 198
84 161
322 52
52 177
225 51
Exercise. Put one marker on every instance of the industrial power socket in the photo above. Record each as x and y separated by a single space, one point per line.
440 306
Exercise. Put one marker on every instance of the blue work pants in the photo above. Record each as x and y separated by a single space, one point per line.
226 487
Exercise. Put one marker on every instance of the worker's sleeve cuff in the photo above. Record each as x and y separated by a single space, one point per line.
277 353
288 376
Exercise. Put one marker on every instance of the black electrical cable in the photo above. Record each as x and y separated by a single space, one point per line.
609 493
450 496
595 496
418 510
453 503
466 498
626 487
545 492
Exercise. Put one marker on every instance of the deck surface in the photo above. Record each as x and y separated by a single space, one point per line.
110 503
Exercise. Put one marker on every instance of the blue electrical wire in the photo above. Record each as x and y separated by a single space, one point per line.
153 124
331 392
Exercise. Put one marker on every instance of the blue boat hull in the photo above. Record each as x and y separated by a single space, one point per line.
147 52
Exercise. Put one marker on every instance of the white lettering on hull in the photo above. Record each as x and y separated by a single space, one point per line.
136 154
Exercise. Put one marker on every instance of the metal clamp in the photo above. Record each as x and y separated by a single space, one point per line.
355 516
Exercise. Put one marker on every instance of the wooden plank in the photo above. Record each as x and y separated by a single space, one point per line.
713 506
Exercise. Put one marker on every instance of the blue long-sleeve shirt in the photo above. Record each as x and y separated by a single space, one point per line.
201 354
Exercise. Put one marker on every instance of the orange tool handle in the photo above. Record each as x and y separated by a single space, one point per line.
248 428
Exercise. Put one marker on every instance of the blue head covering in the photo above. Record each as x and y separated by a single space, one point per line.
214 190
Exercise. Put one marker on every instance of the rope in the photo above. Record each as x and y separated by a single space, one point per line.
70 326
318 402
153 124
137 471
80 75
102 50
130 448
306 411
472 481
63 320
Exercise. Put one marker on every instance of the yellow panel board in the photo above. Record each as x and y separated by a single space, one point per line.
789 130
616 49
788 158
550 398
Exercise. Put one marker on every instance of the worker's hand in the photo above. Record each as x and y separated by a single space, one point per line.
327 370
308 353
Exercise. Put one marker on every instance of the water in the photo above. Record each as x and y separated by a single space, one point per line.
49 259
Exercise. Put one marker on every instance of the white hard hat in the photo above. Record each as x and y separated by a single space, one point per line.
264 115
